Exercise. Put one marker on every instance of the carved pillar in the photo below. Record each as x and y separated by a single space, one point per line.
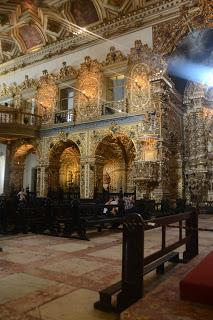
196 151
6 153
99 165
16 175
42 180
87 177
129 183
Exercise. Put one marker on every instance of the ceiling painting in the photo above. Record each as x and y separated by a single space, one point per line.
29 24
31 36
84 12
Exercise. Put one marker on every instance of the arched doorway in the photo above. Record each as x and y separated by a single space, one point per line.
24 168
114 163
64 167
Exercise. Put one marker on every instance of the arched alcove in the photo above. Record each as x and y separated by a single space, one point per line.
64 167
24 168
115 156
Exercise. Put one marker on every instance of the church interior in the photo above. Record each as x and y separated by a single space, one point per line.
106 135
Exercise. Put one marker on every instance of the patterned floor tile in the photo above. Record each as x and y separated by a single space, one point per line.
110 253
77 305
74 266
48 278
19 284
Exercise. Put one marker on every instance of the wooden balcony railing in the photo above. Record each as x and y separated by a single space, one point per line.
15 122
63 116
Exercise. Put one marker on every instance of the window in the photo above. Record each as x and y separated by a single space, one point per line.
7 103
29 105
115 88
66 99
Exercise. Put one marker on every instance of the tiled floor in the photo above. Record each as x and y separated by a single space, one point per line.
53 278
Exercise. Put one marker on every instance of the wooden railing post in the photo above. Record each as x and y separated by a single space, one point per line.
132 262
192 235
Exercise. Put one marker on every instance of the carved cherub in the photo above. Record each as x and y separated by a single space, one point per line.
90 65
66 71
63 70
28 83
114 56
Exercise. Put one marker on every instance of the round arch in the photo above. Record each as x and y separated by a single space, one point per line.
64 166
24 164
115 156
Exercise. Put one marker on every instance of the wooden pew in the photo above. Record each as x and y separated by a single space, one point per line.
135 265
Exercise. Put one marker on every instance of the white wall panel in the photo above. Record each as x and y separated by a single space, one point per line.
98 51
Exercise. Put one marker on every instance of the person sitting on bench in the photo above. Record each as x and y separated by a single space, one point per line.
111 206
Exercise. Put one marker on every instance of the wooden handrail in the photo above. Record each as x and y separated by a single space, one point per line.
8 117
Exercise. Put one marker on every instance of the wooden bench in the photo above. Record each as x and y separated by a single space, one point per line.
68 221
135 265
100 223
197 286
107 295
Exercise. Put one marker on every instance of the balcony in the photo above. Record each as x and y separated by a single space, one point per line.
58 118
147 171
63 116
66 117
114 107
146 176
14 123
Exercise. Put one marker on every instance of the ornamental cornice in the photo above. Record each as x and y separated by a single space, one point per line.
130 21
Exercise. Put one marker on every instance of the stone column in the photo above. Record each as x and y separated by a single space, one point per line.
42 180
87 178
5 152
99 166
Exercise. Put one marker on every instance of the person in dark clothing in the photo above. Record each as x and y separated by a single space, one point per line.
3 215
77 224
121 207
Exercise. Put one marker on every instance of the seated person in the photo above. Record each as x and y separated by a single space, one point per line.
22 195
111 210
128 202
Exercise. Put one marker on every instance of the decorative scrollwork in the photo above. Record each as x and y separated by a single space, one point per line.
140 87
143 54
88 101
46 96
89 89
